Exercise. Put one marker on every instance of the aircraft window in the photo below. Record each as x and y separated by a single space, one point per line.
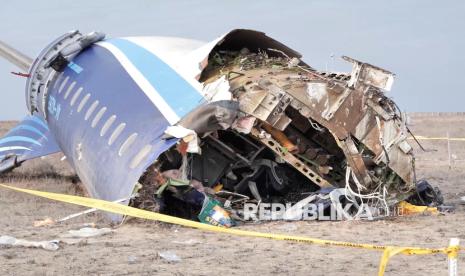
71 86
116 133
63 85
91 110
140 156
98 116
125 146
58 80
107 125
76 96
83 102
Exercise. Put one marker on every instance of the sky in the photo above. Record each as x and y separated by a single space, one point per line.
421 41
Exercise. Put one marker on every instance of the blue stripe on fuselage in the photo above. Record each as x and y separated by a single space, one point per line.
29 128
37 120
175 90
19 139
13 148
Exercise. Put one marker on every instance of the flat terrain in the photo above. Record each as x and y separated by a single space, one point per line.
133 248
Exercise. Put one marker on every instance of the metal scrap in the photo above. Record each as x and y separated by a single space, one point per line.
12 241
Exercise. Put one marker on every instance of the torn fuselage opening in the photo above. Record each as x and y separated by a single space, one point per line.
276 130
247 41
233 168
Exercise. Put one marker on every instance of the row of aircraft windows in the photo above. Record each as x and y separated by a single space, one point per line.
139 157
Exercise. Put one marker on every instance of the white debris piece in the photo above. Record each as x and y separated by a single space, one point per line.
132 259
217 90
88 232
187 242
169 256
188 135
12 241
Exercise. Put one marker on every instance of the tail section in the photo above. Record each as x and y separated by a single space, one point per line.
28 140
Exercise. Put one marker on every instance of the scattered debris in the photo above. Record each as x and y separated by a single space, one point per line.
406 208
213 213
88 211
12 241
44 222
49 221
444 209
169 256
132 259
426 195
187 242
88 232
82 235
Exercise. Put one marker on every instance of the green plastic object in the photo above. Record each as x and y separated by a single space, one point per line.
171 182
213 213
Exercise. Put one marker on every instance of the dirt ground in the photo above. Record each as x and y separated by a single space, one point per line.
134 247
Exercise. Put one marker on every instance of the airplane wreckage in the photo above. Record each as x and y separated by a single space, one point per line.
199 130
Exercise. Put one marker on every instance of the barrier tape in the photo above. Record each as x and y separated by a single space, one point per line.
388 251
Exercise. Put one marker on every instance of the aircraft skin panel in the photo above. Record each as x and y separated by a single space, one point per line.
173 51
123 110
182 55
152 94
28 140
175 90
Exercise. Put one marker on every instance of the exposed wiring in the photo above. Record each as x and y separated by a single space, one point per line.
315 125
375 199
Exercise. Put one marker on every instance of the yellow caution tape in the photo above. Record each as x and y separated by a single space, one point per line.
388 251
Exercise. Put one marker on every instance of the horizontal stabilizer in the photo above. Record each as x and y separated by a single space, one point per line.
28 140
